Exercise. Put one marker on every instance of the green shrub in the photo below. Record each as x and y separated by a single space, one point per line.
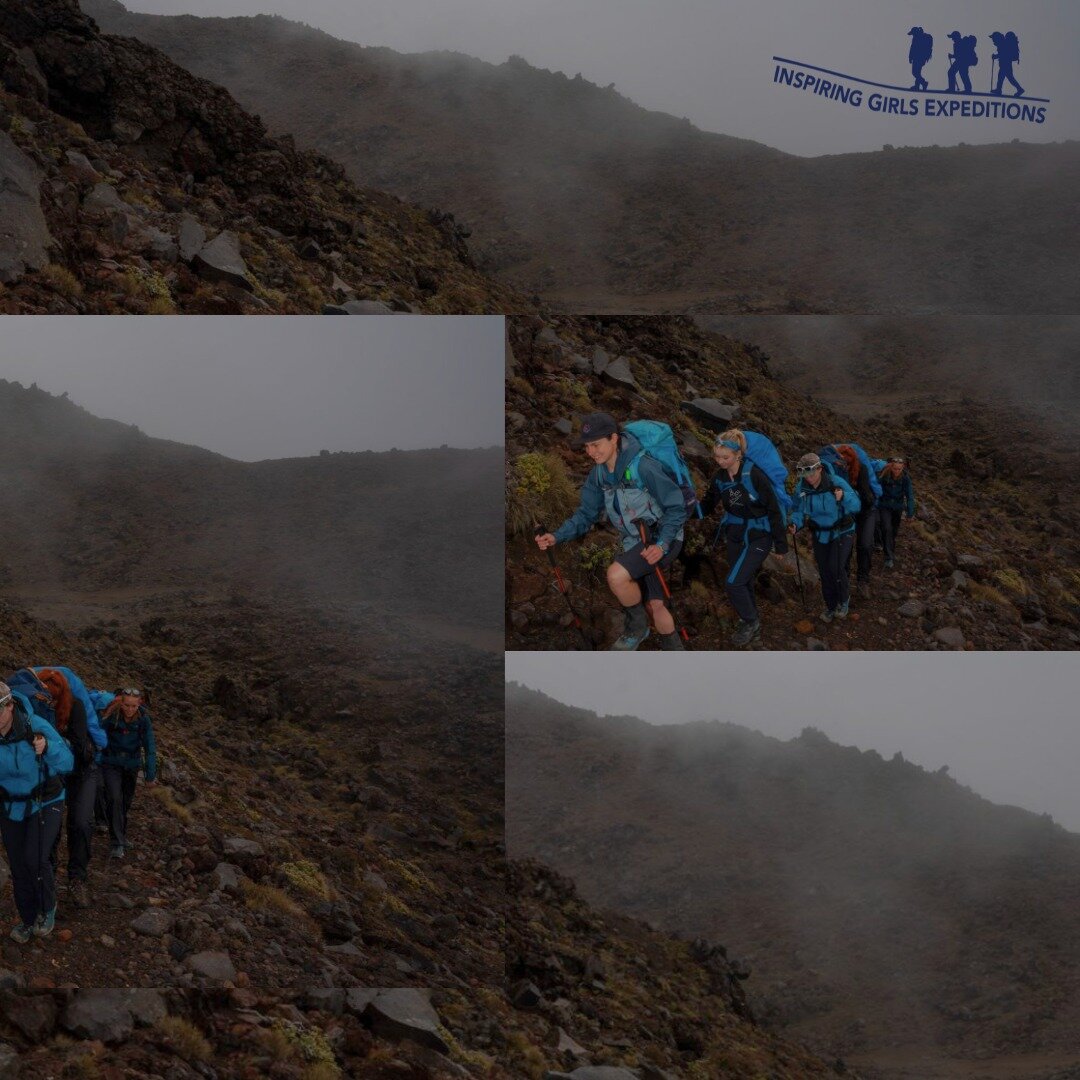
538 491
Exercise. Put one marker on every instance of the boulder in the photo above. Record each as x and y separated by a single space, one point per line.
600 361
405 1014
220 260
103 198
239 845
968 560
227 878
24 234
111 1015
619 374
192 238
34 1015
712 412
212 965
952 636
580 364
912 609
154 922
563 426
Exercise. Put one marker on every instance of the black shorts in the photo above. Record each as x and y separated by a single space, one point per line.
644 574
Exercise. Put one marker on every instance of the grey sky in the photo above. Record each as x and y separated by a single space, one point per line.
1004 723
710 60
274 386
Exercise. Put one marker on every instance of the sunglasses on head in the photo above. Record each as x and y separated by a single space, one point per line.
896 461
5 700
805 470
131 691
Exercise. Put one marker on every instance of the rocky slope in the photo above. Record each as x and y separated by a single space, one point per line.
988 563
130 185
885 909
573 191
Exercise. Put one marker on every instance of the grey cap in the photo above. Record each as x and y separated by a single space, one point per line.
597 425
807 463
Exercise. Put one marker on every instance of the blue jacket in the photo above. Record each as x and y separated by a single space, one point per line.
20 771
818 508
897 494
639 487
131 745
78 690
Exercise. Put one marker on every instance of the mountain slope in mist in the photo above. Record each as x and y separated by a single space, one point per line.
882 906
118 510
574 192
131 186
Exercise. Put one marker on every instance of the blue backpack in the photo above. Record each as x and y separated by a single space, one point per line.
26 683
831 455
658 441
761 452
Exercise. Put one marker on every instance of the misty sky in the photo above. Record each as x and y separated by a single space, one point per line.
1004 723
273 386
710 60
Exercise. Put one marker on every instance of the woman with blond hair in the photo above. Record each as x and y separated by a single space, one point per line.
752 525
897 500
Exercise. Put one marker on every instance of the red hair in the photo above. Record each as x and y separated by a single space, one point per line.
851 459
60 692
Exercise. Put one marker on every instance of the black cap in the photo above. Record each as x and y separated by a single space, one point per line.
597 425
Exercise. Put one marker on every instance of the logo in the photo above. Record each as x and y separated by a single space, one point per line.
956 96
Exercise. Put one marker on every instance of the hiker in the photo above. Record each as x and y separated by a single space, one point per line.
922 48
130 731
58 695
33 760
631 486
752 526
826 504
859 479
1008 53
897 500
963 58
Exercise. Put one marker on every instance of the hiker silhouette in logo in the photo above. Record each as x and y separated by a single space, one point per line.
922 48
1008 53
826 504
897 501
963 59
630 486
130 731
33 761
752 525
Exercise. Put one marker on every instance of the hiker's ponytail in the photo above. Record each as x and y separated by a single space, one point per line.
851 460
733 439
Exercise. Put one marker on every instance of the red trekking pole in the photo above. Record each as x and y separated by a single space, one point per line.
663 585
561 585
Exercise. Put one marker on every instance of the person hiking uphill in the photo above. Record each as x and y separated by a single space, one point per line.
963 59
897 500
922 48
130 731
58 695
1008 53
629 486
826 504
33 761
858 479
752 526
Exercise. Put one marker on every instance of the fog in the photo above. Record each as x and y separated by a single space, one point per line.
1004 723
275 386
712 62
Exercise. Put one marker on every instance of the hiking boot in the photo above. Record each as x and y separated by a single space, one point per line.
746 632
672 642
636 629
79 893
117 852
863 589
21 933
827 615
841 610
45 924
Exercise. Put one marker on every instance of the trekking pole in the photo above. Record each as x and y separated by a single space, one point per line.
562 587
663 585
41 835
798 569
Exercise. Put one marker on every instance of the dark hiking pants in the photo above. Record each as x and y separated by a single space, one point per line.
832 563
745 558
28 843
119 786
81 789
